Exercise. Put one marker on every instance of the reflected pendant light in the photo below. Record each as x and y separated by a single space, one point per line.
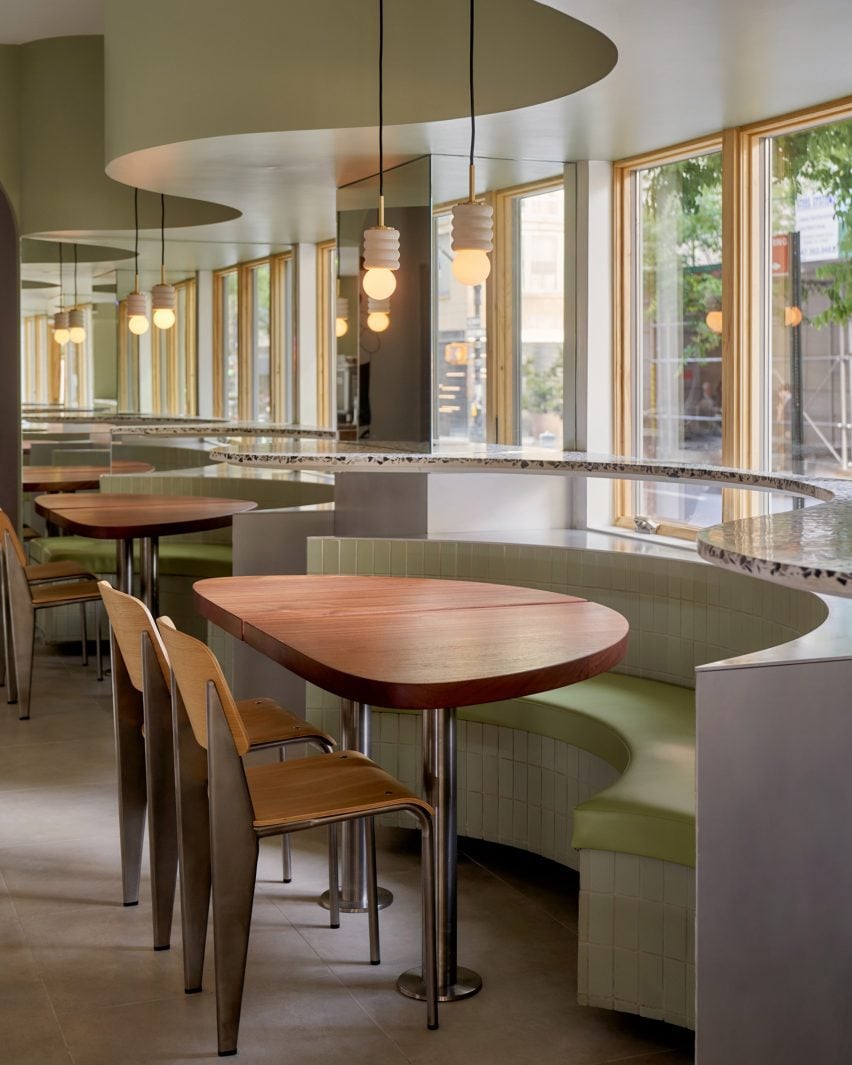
137 304
341 321
378 315
472 222
381 242
76 318
61 332
163 296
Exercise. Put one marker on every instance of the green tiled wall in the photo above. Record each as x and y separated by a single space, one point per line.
682 614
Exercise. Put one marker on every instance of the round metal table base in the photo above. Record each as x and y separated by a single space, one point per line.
385 899
467 983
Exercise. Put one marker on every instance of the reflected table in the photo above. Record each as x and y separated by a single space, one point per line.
75 478
418 644
125 517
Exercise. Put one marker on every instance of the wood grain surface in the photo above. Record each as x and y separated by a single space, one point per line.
74 478
413 643
121 516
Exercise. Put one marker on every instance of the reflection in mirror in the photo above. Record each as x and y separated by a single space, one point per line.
384 357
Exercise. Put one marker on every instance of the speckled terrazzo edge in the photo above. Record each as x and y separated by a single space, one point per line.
810 548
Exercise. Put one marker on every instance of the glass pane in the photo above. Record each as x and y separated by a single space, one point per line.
678 344
460 346
229 343
262 385
180 351
810 321
541 322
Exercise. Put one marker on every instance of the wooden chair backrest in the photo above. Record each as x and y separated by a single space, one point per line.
195 666
6 526
130 618
18 585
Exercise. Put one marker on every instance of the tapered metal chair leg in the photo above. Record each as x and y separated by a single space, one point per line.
23 639
333 879
162 811
99 653
233 861
286 853
372 891
132 786
84 634
430 934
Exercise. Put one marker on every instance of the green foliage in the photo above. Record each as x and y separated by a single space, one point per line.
542 386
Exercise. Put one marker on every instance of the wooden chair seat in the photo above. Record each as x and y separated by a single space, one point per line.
55 571
343 784
269 724
69 592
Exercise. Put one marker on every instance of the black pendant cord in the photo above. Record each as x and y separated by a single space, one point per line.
162 232
472 107
76 301
381 97
136 225
60 277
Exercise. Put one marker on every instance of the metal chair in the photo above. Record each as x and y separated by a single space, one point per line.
178 832
25 599
250 803
36 573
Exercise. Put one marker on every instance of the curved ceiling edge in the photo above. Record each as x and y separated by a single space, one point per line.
64 188
313 66
45 252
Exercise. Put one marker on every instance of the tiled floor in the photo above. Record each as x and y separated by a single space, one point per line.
79 982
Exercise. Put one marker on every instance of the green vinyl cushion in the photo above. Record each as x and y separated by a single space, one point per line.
643 727
187 559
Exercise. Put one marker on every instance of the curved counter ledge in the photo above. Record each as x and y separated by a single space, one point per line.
808 548
223 428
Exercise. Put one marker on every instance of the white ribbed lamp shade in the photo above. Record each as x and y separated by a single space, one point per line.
164 304
381 258
61 331
378 315
473 231
137 313
77 326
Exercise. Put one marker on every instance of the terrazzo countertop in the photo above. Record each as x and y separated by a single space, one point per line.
221 428
809 548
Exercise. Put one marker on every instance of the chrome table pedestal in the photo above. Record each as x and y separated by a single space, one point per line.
355 736
440 786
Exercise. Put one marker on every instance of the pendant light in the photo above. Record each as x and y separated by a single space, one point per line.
137 305
381 242
61 333
378 315
341 320
163 296
472 223
76 318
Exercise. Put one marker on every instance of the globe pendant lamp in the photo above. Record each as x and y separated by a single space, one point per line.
137 304
378 315
61 332
381 242
341 320
472 220
163 296
76 317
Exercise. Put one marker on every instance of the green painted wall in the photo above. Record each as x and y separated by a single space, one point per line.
10 170
104 343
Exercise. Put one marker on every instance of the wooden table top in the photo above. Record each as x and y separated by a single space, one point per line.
75 478
412 643
121 516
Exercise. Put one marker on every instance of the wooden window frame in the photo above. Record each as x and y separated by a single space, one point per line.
326 340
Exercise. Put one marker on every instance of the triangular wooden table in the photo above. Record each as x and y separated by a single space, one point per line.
430 645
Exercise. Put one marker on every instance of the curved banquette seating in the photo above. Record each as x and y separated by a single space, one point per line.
600 775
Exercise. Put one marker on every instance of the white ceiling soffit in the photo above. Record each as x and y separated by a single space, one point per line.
32 20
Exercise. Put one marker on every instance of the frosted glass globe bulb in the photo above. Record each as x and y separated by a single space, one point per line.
341 327
471 267
164 317
76 334
379 283
137 324
62 336
378 321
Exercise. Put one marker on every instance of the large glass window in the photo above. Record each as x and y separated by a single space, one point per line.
460 354
541 331
227 375
671 355
259 295
807 175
